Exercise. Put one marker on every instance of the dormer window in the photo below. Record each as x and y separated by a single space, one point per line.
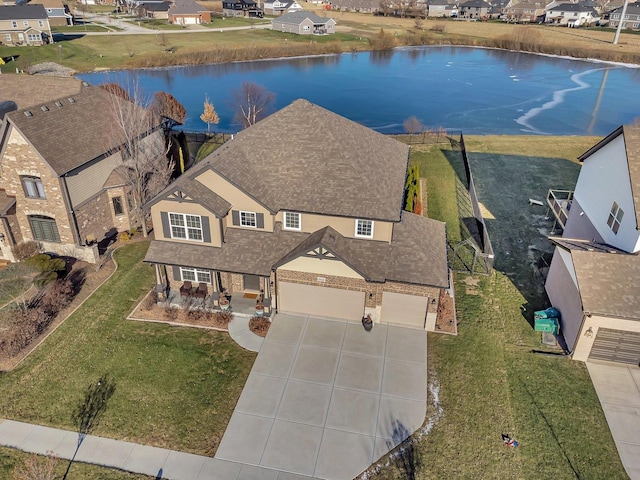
248 219
364 228
185 226
33 187
292 221
615 218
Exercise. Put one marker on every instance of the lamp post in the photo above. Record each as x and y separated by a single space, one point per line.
624 11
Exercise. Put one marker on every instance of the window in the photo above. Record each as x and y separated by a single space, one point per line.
44 228
248 219
118 208
25 23
32 187
291 221
305 28
195 275
364 228
34 37
14 24
615 217
185 226
7 37
40 23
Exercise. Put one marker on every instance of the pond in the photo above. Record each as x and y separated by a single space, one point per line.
476 90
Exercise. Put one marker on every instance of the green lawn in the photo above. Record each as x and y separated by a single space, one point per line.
80 29
9 458
175 387
490 381
226 22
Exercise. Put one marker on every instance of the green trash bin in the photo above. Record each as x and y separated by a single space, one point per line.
550 325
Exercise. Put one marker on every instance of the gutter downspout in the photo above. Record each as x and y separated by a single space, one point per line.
67 201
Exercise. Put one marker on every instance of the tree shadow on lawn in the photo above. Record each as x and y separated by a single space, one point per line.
518 230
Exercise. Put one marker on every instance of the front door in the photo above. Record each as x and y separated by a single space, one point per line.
251 282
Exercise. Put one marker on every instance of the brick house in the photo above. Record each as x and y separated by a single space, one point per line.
594 277
24 25
188 12
315 223
58 185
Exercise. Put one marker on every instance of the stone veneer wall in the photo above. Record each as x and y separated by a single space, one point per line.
94 218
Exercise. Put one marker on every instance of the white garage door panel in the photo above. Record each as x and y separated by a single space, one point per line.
320 301
402 309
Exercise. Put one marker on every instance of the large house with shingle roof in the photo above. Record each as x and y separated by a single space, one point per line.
188 12
304 23
24 25
313 224
59 184
594 278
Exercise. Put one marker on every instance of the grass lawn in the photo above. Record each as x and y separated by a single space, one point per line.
175 387
80 29
9 458
490 381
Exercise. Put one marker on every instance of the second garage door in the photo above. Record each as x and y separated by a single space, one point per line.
402 309
616 346
320 301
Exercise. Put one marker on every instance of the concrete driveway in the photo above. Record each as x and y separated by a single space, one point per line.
618 388
327 399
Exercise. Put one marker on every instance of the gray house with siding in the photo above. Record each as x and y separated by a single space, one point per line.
304 23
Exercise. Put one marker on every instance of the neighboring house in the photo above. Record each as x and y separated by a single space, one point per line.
362 6
440 8
304 23
314 222
188 12
58 13
157 10
58 184
594 278
277 7
525 12
572 15
241 8
24 25
631 17
474 9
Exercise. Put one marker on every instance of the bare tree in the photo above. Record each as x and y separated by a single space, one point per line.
386 7
115 89
138 134
252 102
412 125
209 114
36 467
167 106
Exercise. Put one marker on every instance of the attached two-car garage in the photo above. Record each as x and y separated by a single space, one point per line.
320 301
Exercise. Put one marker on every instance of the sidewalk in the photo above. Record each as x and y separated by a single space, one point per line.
131 457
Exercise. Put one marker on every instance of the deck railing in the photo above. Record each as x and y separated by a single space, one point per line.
559 202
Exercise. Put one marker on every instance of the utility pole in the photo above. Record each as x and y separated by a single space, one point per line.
624 11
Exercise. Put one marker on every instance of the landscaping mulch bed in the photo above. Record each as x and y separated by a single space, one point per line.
150 311
259 326
446 319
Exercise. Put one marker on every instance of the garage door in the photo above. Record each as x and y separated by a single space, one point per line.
320 301
616 346
402 309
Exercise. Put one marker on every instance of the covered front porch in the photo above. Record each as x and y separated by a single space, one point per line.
239 304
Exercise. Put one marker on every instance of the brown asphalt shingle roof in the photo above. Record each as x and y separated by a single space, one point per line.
609 283
28 90
73 130
307 159
185 7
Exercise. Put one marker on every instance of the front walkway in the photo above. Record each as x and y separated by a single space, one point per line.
618 388
327 399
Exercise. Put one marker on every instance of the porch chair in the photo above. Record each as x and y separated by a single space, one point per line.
201 291
185 289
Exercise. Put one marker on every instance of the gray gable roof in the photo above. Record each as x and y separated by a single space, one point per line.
23 12
609 283
185 7
475 4
573 7
156 6
200 194
296 18
73 130
307 159
28 90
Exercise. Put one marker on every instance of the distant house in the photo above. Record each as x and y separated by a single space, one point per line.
631 18
362 6
594 277
241 8
304 23
24 25
188 12
525 12
440 8
157 10
474 9
571 15
279 7
58 13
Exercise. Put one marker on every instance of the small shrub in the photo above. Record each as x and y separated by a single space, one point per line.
259 325
438 28
222 319
24 250
132 231
48 268
171 313
197 316
150 300
57 296
382 41
124 236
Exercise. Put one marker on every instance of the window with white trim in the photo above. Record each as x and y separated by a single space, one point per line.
25 23
364 228
40 23
186 226
292 221
34 37
195 275
32 187
14 24
248 219
7 37
615 218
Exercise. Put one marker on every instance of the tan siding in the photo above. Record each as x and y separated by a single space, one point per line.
346 226
585 343
321 267
184 207
88 181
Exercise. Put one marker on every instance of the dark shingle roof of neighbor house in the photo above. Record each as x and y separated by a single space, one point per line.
23 12
71 131
185 7
296 18
417 254
609 283
357 4
631 137
475 4
307 159
27 90
156 7
573 7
